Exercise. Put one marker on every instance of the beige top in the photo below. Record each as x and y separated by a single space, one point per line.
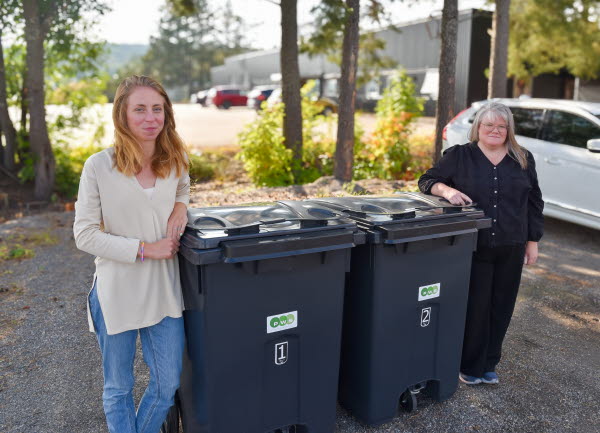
132 294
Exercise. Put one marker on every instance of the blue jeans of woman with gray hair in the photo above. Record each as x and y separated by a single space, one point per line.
162 347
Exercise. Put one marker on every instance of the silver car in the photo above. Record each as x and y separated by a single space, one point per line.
564 138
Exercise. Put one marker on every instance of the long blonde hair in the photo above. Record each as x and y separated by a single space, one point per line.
170 152
515 151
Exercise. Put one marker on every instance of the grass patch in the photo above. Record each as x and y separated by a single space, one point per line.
21 246
15 252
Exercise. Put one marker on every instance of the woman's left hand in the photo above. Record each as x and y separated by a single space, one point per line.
531 253
177 221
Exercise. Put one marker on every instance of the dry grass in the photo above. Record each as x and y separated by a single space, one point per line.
20 245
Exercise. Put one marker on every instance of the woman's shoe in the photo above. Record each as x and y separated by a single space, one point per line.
491 377
469 380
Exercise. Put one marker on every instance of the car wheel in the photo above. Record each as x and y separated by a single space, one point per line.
227 105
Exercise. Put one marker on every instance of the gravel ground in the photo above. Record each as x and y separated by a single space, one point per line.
51 380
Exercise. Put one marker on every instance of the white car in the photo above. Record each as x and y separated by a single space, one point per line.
564 138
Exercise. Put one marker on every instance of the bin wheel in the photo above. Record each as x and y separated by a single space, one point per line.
171 424
408 401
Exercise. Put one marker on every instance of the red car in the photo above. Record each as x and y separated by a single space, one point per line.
226 96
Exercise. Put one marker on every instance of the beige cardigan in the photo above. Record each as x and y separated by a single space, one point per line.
132 294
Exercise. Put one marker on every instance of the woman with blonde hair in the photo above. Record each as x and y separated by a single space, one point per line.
499 176
130 212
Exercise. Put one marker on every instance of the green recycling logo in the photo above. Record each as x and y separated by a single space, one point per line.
429 291
279 322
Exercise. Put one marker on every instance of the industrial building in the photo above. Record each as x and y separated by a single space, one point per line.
415 46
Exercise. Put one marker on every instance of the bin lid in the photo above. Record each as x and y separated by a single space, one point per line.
400 207
208 227
408 215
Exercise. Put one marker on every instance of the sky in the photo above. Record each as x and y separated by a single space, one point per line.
134 21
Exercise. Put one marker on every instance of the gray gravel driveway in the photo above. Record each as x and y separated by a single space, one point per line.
51 380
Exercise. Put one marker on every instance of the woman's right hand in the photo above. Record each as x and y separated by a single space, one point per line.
454 196
162 249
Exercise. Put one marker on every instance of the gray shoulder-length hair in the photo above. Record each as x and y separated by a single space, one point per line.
496 109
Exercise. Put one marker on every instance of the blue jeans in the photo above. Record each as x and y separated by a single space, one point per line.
162 346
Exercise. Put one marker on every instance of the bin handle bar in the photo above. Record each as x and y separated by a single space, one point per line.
408 213
452 208
255 227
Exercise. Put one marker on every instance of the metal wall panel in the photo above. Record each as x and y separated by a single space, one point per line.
463 57
415 46
480 57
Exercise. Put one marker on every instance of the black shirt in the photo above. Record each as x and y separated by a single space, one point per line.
506 193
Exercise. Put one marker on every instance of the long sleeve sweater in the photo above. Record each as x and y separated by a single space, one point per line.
132 294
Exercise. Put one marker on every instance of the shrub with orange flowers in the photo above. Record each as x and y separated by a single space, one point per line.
386 154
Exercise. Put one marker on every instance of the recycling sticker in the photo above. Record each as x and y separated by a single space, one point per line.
429 291
280 322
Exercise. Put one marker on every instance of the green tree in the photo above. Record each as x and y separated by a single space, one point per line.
547 36
499 50
47 22
344 149
290 81
330 17
447 81
192 38
7 152
335 21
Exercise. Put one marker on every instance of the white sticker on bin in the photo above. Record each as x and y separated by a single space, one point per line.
429 291
280 322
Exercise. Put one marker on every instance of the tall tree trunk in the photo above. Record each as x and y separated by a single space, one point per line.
499 51
6 125
344 149
38 130
447 70
24 104
290 81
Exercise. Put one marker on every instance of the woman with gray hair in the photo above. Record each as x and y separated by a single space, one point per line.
498 175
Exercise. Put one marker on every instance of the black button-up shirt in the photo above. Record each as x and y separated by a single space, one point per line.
506 193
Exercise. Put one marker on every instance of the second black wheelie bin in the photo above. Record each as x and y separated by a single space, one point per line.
405 301
263 292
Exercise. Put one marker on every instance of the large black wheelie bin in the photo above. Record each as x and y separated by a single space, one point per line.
405 301
263 291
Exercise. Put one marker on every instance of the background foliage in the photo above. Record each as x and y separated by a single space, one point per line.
386 154
547 36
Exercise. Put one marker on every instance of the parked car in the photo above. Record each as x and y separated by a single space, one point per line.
564 138
226 97
328 105
201 97
259 94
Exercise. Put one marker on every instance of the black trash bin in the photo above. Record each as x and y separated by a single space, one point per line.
263 292
405 301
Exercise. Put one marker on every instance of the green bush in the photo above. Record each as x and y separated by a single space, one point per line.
69 164
214 164
266 160
386 154
269 163
201 168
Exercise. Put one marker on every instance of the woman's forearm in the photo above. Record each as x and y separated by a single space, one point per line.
439 189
